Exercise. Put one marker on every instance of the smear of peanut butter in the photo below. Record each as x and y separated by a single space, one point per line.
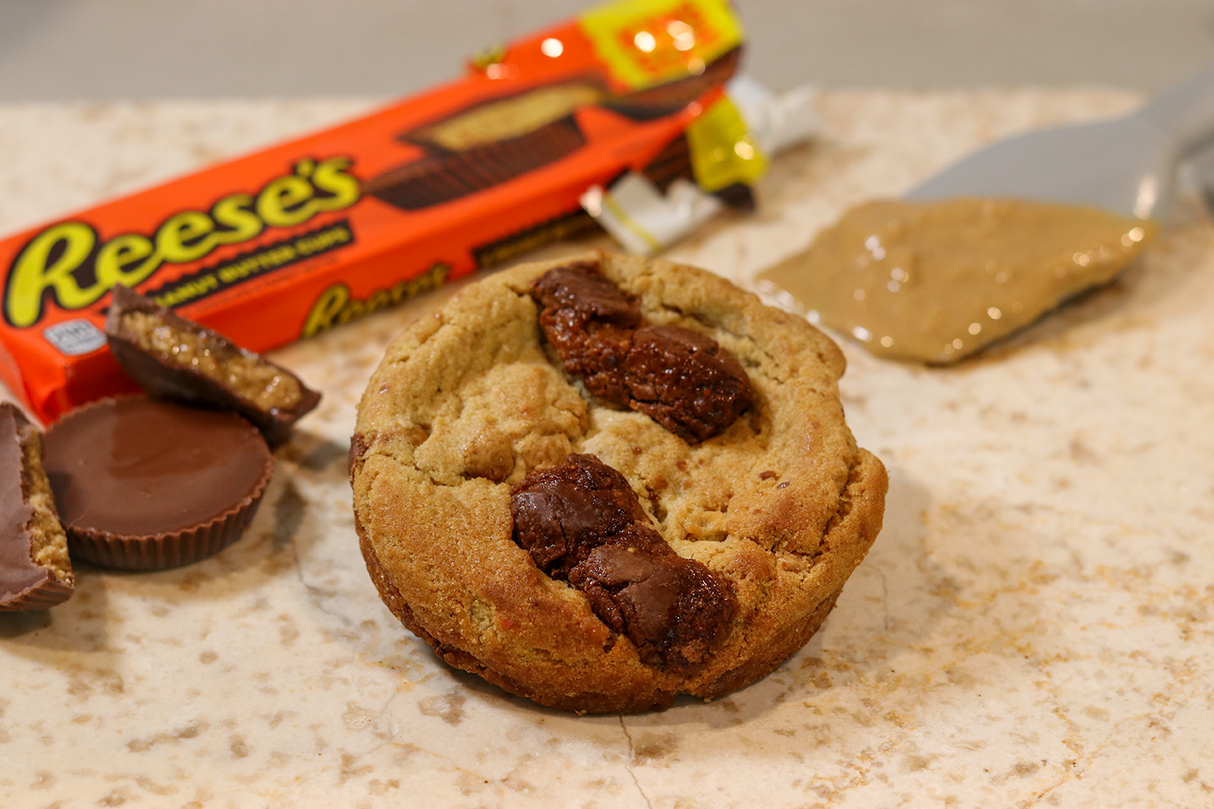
933 282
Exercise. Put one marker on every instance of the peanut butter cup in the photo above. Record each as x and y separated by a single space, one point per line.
146 484
174 357
35 570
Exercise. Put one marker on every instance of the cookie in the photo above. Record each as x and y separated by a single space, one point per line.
539 529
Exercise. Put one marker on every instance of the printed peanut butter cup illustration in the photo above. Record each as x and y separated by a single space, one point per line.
147 484
35 569
598 531
174 357
507 117
488 144
664 98
500 139
439 178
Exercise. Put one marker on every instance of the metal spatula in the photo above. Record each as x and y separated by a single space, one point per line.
1127 165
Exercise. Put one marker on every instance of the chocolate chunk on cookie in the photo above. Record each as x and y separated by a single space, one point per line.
589 321
682 379
583 298
562 513
685 381
582 522
676 611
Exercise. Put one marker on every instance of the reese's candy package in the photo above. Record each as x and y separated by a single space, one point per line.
295 239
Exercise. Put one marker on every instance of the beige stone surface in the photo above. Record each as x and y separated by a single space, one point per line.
1033 627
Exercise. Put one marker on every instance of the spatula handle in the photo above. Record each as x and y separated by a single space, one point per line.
1185 111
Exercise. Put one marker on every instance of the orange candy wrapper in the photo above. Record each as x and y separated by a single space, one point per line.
290 241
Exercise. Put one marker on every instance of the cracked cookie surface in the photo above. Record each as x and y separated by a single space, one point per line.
781 504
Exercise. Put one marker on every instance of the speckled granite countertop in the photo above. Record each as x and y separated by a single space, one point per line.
1034 626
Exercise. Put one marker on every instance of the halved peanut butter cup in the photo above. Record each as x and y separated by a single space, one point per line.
176 358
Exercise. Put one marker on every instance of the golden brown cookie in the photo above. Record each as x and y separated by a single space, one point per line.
768 515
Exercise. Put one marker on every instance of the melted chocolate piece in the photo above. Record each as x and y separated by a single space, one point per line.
680 378
587 296
176 358
582 522
685 381
141 468
24 583
673 609
562 512
589 322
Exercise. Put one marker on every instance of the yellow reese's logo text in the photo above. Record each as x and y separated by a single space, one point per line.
336 306
66 259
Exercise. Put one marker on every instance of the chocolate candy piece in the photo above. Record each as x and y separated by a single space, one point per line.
674 610
170 356
682 379
35 570
587 299
685 381
562 512
582 522
146 484
589 321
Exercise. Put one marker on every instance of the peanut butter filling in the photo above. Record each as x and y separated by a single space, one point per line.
262 384
48 545
935 282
